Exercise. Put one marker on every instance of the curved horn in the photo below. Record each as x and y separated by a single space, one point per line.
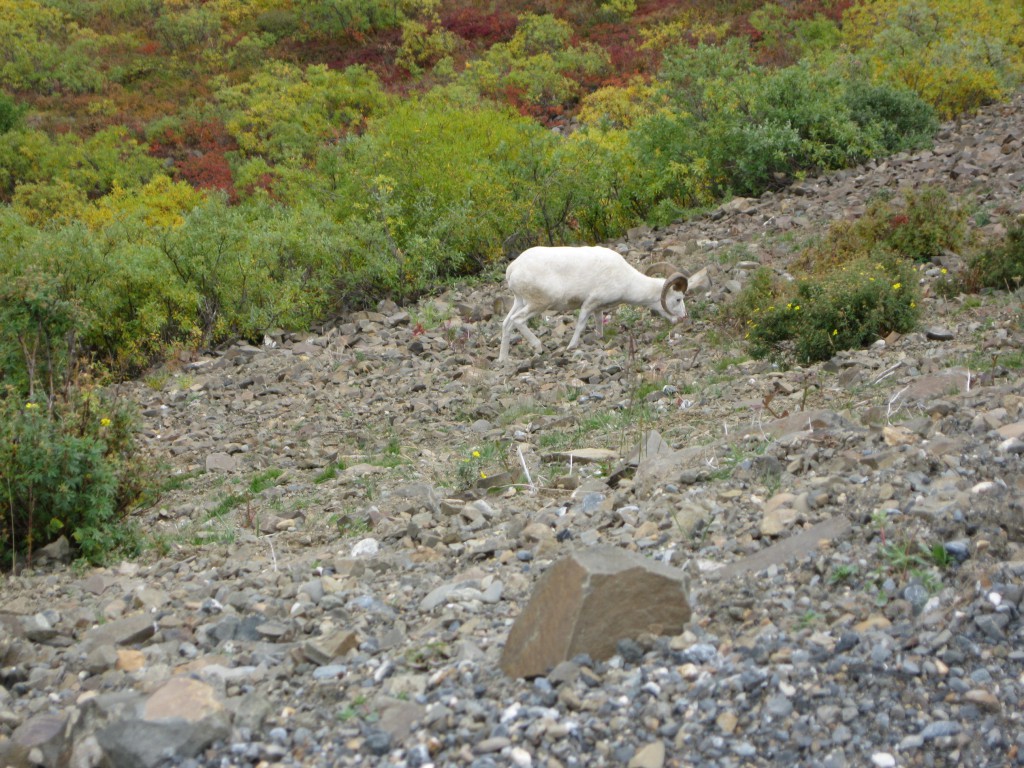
678 282
660 269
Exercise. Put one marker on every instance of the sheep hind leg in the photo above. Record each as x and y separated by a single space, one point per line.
529 335
581 323
516 318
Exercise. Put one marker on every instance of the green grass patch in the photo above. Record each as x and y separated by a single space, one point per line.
264 480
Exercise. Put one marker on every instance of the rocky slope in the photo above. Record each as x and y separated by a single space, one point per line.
359 515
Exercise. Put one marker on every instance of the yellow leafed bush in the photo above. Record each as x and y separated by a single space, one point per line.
956 54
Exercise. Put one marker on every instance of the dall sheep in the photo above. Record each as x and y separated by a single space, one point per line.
590 278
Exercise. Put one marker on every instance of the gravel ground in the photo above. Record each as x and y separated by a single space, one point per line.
359 515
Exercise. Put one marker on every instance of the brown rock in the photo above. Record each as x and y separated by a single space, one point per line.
649 756
222 462
1012 430
324 649
899 435
179 720
182 697
779 514
129 660
589 601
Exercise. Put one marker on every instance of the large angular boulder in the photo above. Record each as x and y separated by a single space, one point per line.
589 601
178 721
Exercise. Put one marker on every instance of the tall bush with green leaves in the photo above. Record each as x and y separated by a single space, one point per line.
91 167
733 126
250 267
68 461
433 189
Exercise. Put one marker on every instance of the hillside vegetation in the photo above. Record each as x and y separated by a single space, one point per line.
177 173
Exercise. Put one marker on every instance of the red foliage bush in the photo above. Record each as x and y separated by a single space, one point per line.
191 137
479 26
208 171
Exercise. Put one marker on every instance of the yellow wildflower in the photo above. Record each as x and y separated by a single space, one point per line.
897 286
104 422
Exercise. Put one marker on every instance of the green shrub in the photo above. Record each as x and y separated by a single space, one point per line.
66 471
921 227
243 269
850 307
897 116
10 113
68 461
539 67
744 128
931 224
187 29
999 266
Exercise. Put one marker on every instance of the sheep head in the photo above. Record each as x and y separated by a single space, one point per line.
672 296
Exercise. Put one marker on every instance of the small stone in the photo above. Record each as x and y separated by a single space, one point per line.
779 706
727 721
493 744
42 734
130 660
1012 445
520 757
127 631
378 742
57 551
326 648
779 514
649 756
365 548
983 699
222 462
938 333
180 719
940 728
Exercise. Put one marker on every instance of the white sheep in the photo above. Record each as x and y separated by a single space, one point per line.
590 278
